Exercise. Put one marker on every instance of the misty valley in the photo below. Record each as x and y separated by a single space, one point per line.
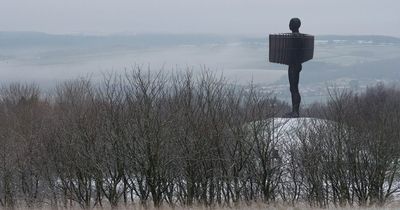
196 121
340 61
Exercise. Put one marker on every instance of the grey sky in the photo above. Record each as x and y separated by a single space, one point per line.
251 17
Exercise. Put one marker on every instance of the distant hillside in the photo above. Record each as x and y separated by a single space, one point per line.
37 39
360 58
335 39
377 39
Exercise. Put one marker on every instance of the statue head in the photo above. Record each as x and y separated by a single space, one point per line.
294 24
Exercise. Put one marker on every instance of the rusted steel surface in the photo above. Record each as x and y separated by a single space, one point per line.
290 48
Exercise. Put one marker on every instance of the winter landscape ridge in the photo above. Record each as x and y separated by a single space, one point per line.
106 117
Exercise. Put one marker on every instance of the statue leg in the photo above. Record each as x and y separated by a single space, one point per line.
294 76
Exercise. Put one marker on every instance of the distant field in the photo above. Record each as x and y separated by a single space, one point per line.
49 59
238 63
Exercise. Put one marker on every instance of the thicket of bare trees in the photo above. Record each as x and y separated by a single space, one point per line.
354 159
154 139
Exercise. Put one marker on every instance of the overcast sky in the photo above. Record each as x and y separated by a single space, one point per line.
249 17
